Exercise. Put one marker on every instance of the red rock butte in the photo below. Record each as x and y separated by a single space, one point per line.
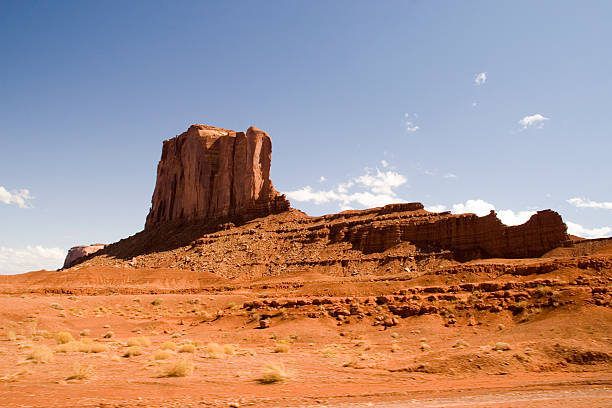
214 174
213 185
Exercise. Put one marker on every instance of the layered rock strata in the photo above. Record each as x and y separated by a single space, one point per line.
215 174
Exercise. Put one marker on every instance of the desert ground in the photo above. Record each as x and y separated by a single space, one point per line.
495 333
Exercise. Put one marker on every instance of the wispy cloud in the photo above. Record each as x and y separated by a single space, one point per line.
372 189
30 258
450 176
481 78
579 230
409 124
436 208
384 163
322 179
586 203
536 121
19 197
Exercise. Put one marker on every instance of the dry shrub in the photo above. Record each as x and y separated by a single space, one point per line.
56 306
132 352
424 346
85 332
273 373
395 348
11 335
108 335
63 337
229 349
142 341
282 347
168 345
501 346
161 355
69 347
80 372
461 344
40 354
178 368
157 302
187 348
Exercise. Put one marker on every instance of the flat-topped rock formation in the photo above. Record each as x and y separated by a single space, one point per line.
215 174
79 252
215 209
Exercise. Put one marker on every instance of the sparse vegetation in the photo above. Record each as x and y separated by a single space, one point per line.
157 302
56 306
178 368
161 355
132 352
63 337
40 354
187 348
501 346
142 341
80 372
11 336
168 345
273 373
282 347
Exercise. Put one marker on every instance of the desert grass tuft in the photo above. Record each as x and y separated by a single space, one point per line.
168 345
11 335
178 368
132 352
80 372
40 354
142 341
282 347
273 373
63 337
187 348
161 355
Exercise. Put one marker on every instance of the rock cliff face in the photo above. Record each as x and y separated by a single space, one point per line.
215 175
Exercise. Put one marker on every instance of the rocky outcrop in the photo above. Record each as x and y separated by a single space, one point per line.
466 235
76 253
215 175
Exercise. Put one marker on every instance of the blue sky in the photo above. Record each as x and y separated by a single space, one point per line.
466 106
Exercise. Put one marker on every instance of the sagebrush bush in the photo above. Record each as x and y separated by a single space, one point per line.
63 337
282 348
142 341
161 355
178 368
274 372
40 354
168 345
187 348
132 352
80 372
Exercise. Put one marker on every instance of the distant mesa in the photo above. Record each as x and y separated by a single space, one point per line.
211 179
76 253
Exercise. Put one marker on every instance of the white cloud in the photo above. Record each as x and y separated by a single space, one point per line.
366 191
478 207
536 120
450 176
409 123
586 203
436 208
481 78
474 104
19 197
482 208
384 163
509 217
579 230
322 179
30 258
